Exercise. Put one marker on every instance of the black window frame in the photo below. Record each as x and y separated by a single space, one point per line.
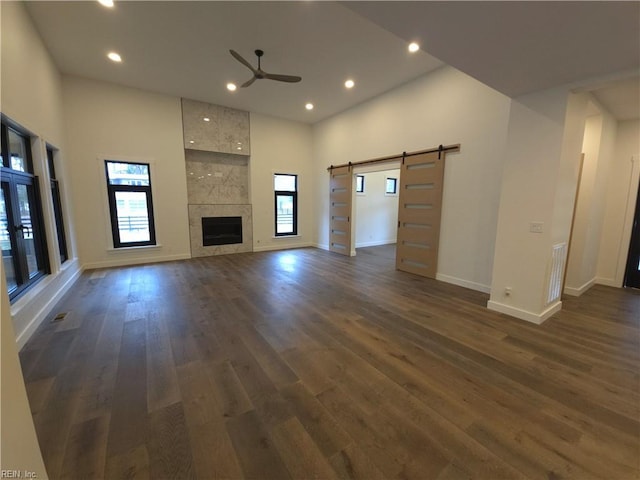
395 186
361 190
57 207
113 211
6 158
10 179
294 198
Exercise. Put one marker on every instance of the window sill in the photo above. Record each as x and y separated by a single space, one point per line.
68 263
128 249
287 236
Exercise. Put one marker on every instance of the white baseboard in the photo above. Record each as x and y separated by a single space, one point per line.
525 315
321 246
281 246
464 283
609 282
375 243
123 262
23 336
576 292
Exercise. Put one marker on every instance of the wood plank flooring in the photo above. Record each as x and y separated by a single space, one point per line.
306 364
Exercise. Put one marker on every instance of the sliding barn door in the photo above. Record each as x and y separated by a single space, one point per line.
419 210
340 210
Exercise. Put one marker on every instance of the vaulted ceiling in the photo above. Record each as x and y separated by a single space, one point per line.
182 48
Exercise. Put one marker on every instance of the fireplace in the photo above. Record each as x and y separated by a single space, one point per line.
221 230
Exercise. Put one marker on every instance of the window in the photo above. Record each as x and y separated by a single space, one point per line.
359 183
130 204
24 249
286 204
392 186
57 207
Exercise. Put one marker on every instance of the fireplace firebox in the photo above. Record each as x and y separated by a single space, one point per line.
221 230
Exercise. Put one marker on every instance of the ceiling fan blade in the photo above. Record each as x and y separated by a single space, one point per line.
283 78
238 57
248 82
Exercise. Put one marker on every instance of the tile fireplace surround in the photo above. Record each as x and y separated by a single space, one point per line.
217 180
196 212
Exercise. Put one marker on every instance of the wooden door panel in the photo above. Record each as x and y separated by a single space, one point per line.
419 213
427 217
340 198
415 266
422 197
425 177
340 195
418 235
340 213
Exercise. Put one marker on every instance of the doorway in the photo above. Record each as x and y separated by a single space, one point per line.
419 189
632 274
376 211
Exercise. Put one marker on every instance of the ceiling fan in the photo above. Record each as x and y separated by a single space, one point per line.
259 74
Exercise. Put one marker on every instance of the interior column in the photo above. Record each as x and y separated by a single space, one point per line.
536 205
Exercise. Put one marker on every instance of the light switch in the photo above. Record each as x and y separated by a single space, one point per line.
536 227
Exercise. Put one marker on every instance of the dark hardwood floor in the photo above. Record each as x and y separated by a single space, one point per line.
306 364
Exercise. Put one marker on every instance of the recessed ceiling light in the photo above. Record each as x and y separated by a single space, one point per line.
191 141
114 57
206 119
309 106
106 3
231 87
414 47
349 83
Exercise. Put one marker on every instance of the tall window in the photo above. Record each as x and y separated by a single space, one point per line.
286 204
24 249
57 207
391 186
130 204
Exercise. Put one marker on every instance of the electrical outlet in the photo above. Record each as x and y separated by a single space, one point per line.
536 227
508 291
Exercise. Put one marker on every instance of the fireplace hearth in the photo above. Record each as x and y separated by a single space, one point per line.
221 231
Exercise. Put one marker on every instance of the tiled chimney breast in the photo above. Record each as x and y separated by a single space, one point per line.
225 131
217 164
217 178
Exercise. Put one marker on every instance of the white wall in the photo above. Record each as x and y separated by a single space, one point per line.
376 213
443 107
598 148
20 450
30 81
106 121
546 130
280 146
31 96
622 189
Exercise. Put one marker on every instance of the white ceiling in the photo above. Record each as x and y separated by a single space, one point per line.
522 47
181 48
621 98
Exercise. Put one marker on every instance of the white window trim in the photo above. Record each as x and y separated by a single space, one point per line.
386 194
364 185
105 199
